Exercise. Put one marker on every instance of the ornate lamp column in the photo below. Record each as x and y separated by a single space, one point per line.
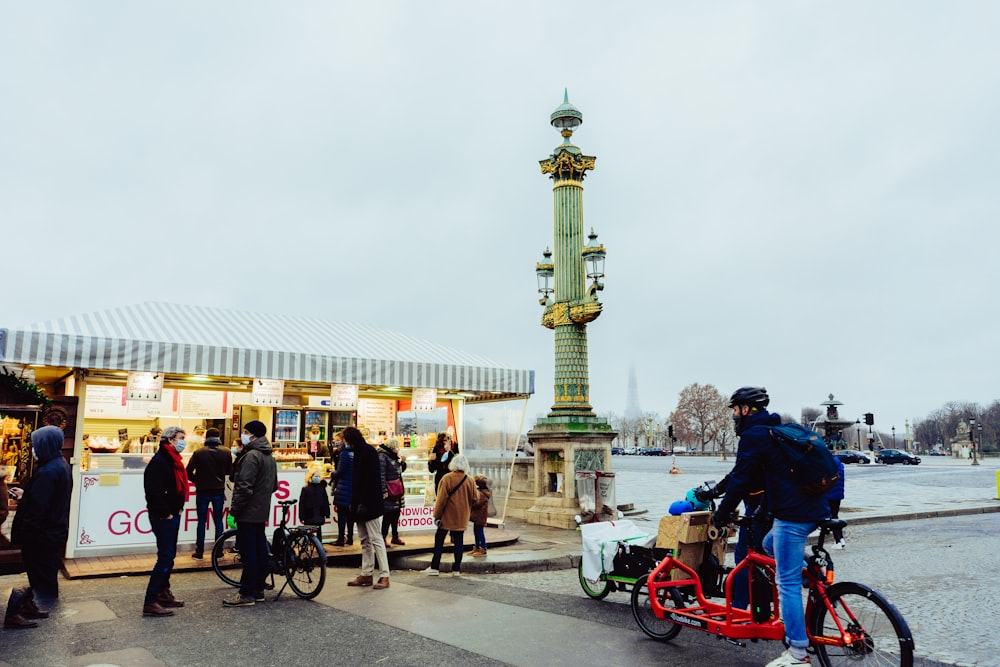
572 438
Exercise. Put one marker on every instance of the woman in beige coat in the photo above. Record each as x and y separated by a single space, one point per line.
455 496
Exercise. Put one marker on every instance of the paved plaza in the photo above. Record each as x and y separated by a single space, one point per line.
940 571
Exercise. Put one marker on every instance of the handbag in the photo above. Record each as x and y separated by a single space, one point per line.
395 488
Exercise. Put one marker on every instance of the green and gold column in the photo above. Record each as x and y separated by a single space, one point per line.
573 305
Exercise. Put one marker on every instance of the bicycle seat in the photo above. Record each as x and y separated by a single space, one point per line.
832 524
287 503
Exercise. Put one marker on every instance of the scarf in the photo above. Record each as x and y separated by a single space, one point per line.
180 474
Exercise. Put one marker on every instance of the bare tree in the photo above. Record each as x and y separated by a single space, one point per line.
701 414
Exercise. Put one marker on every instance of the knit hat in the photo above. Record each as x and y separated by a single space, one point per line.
256 427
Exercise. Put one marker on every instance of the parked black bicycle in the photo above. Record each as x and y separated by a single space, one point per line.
295 553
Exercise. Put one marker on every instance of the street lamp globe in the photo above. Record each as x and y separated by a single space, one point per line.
566 116
593 255
544 270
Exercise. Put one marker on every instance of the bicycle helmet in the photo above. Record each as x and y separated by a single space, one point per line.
755 397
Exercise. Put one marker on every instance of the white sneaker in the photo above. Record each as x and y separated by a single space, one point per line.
431 571
839 544
456 573
787 660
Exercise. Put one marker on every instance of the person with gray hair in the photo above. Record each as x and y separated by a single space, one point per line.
165 482
455 497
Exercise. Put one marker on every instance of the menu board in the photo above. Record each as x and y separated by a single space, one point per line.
344 396
144 386
424 399
268 392
205 404
378 416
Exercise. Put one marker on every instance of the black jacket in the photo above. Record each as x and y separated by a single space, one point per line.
209 467
162 499
42 516
255 481
314 504
368 485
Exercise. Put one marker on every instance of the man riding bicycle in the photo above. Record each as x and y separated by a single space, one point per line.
795 513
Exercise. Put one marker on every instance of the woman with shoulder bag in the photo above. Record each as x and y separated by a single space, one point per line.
393 467
455 497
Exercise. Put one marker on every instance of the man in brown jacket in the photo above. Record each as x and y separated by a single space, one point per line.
455 496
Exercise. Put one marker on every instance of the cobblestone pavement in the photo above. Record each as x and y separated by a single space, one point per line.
941 573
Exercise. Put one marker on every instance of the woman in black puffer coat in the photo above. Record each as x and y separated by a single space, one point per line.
393 467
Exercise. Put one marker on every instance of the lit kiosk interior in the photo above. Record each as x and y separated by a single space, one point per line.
213 376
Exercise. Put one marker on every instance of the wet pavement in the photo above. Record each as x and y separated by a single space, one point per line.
924 536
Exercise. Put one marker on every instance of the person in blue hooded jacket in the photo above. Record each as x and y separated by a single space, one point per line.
41 527
795 513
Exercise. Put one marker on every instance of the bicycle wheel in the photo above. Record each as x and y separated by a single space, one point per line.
657 628
305 565
225 555
595 589
882 636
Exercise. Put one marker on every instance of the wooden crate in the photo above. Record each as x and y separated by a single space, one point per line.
687 528
691 554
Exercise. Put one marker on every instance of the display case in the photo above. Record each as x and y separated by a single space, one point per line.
296 456
117 462
417 480
286 426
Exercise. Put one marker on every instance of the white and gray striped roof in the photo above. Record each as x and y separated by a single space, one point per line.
172 338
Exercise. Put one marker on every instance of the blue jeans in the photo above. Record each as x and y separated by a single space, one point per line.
165 531
479 533
253 551
787 544
201 503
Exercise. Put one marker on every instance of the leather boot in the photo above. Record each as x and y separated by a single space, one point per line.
29 609
360 581
167 599
156 609
383 582
15 621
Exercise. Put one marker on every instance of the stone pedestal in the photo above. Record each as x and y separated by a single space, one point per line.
563 446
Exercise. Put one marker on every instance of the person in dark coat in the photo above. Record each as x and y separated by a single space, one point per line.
393 467
343 491
480 514
314 501
255 481
166 484
795 513
208 468
41 527
367 506
440 458
834 497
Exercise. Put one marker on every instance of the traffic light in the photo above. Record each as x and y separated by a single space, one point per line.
869 418
670 431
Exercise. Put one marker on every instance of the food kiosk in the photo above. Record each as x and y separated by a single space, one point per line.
132 369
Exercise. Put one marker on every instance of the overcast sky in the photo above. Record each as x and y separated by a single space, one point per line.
791 194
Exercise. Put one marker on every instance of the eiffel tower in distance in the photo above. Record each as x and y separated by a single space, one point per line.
632 409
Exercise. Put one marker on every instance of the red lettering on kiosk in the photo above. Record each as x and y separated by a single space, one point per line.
282 492
122 523
144 514
190 517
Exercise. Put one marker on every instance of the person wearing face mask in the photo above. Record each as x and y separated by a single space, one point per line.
255 481
208 468
314 501
166 484
795 514
41 527
440 457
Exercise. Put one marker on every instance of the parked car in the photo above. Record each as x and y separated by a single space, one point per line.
851 456
617 451
889 456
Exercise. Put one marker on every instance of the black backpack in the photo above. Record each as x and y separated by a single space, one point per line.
810 461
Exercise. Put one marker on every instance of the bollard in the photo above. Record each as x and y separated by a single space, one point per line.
998 484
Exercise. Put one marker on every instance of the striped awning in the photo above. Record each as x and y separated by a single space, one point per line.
169 338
